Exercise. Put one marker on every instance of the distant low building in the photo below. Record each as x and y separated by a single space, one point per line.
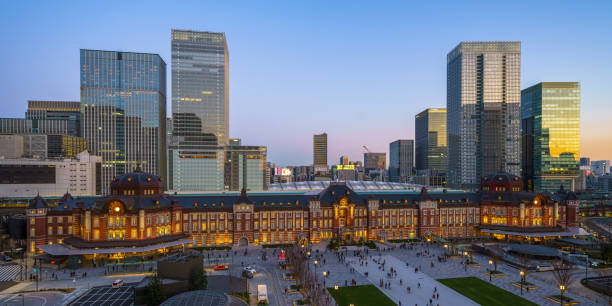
23 177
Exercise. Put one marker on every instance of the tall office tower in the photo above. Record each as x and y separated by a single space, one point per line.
374 165
483 103
550 131
319 152
401 160
344 160
245 167
430 140
600 167
169 127
123 105
67 111
200 110
585 163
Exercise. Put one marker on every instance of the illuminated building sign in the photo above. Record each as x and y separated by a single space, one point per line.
345 167
282 171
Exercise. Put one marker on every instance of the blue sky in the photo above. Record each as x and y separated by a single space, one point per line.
359 71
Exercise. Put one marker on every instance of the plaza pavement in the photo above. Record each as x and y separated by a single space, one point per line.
454 268
422 255
422 286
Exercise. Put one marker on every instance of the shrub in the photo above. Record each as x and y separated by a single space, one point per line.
197 280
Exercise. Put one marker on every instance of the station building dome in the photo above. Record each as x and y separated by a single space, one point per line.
137 183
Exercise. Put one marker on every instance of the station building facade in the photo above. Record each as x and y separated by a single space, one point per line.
138 217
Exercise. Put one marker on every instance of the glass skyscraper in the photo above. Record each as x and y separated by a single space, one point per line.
430 139
200 110
67 111
319 150
550 129
401 160
245 167
483 111
123 107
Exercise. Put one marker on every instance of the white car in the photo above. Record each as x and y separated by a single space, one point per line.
117 283
250 269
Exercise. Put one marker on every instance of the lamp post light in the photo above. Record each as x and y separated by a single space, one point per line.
490 271
562 287
335 287
324 276
522 273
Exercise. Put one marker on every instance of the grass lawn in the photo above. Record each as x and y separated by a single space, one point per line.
360 295
483 292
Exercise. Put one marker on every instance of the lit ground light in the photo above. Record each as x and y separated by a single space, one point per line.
360 296
484 293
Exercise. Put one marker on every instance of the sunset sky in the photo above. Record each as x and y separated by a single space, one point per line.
359 72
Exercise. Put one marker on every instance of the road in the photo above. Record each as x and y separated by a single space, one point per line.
600 225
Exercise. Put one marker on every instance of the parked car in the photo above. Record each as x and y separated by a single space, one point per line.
220 268
250 269
118 283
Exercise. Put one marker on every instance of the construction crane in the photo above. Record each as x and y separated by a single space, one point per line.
366 149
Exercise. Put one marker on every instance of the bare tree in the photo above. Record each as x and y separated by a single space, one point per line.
524 262
562 276
496 258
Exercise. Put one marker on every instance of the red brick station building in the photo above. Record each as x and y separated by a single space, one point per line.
139 218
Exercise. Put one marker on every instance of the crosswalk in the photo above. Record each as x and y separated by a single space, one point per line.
9 272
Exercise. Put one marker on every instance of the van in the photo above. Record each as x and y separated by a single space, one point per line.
544 268
262 294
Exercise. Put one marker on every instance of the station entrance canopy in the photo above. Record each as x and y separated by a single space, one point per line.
62 249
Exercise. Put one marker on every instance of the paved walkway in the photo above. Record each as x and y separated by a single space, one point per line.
422 287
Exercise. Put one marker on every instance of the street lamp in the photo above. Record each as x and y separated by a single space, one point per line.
490 271
562 287
324 276
335 287
522 273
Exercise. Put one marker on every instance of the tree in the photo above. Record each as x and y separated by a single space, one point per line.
524 262
562 276
197 279
606 252
155 291
495 257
